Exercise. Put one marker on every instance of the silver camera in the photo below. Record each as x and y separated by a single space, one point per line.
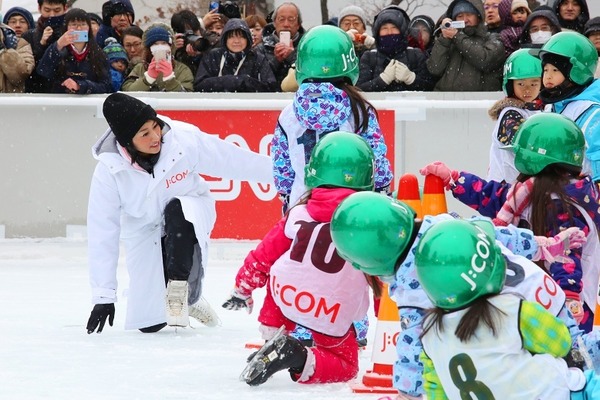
454 24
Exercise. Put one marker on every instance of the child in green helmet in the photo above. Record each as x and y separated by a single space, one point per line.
327 100
548 196
479 342
569 62
380 235
521 83
307 282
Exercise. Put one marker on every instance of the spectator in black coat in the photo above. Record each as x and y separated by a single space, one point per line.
235 66
117 15
392 65
76 66
47 31
572 14
286 17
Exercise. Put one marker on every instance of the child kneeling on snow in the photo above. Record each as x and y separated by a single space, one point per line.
308 282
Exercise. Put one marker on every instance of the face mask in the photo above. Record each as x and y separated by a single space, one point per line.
540 37
392 44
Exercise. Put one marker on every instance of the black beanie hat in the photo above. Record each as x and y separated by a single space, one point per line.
126 115
562 63
593 25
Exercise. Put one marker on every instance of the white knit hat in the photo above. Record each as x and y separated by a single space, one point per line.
518 4
353 10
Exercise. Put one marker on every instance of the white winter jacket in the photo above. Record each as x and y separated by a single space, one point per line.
127 202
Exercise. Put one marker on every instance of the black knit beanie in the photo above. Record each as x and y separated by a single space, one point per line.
126 115
593 25
562 63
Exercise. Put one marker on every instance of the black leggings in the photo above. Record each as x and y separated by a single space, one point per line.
178 243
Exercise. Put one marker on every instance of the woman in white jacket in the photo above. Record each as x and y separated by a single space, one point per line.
147 191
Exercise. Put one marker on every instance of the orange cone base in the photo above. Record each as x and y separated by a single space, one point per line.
374 383
254 345
371 378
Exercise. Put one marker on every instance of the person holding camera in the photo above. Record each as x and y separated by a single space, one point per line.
191 41
159 72
16 61
466 59
47 31
280 46
393 66
352 21
75 63
235 66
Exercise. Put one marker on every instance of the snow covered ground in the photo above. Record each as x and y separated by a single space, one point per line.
45 352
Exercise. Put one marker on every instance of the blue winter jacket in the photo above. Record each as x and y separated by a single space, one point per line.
584 110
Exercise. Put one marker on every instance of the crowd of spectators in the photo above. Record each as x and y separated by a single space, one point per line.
79 52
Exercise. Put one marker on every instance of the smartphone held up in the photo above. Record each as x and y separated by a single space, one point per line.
285 38
161 52
80 36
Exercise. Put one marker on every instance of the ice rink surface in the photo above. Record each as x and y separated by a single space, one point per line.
45 352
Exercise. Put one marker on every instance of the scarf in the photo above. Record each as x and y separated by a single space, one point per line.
565 90
79 57
517 200
392 45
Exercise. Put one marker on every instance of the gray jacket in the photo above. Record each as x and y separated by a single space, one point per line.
470 62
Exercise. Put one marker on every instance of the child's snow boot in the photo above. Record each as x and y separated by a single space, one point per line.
281 352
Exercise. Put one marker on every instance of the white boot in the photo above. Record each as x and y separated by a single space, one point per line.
204 313
177 303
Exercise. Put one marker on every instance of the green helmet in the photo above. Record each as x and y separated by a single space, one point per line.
457 262
341 159
547 138
520 65
579 50
371 231
326 52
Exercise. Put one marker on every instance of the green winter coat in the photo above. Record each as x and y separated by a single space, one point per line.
182 82
469 62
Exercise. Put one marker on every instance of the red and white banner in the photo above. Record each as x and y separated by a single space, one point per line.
248 210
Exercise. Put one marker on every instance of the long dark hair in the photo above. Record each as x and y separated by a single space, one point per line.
548 186
360 106
480 311
95 57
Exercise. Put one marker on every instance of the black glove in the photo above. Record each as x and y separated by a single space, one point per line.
99 315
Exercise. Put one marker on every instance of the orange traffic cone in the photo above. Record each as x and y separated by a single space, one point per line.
434 196
380 378
408 192
596 325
